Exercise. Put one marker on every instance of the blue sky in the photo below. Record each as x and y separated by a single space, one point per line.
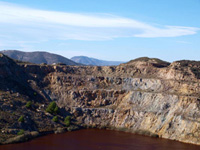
105 29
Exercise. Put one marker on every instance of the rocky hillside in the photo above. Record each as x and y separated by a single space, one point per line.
145 96
38 57
94 62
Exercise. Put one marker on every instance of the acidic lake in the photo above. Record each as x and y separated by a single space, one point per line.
92 139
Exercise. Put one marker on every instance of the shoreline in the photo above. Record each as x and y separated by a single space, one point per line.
35 134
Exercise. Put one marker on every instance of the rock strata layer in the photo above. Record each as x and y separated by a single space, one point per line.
146 96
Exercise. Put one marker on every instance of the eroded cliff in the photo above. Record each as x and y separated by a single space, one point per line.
146 96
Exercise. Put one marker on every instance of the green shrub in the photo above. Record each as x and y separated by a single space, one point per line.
56 109
20 132
68 118
21 119
55 119
67 121
52 108
28 104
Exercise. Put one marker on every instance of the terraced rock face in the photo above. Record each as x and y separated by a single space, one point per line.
146 96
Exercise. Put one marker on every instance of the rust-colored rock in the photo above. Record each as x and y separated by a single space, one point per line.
144 95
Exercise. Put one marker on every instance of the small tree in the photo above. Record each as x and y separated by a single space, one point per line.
56 110
28 104
52 108
67 121
55 119
20 132
21 119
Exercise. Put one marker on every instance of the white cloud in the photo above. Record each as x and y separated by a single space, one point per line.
22 23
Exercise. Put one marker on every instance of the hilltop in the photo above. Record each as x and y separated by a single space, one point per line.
38 57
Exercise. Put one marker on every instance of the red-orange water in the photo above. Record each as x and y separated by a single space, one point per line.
92 139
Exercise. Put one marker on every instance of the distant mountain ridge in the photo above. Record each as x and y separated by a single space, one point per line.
38 57
94 62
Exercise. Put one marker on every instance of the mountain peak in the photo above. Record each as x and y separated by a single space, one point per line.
94 62
38 57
